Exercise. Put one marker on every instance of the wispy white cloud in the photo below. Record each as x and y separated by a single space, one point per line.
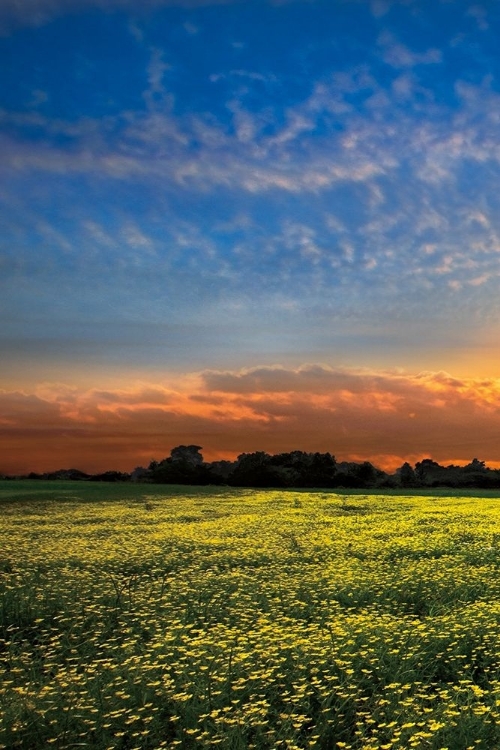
14 14
156 92
400 56
52 236
480 15
137 239
99 235
379 8
38 97
191 28
372 165
250 75
154 148
38 12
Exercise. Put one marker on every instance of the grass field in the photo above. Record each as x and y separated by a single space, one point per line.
140 616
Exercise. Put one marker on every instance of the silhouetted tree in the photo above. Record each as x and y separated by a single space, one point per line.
187 454
321 471
475 465
184 466
256 470
300 469
72 474
428 471
110 476
351 474
407 475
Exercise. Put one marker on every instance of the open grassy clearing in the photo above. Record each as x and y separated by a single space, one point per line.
163 617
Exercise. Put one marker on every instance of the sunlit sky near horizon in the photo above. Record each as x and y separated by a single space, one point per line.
249 225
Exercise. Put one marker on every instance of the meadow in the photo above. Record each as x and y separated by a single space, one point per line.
135 617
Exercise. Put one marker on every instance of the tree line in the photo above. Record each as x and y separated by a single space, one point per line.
298 469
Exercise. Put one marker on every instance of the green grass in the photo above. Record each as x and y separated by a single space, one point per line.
88 492
142 616
32 490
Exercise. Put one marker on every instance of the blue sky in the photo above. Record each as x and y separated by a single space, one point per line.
193 186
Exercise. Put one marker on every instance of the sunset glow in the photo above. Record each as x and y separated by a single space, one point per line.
384 417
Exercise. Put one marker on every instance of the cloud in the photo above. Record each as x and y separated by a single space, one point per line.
14 14
156 92
264 153
480 15
345 188
358 414
399 56
379 8
38 97
155 146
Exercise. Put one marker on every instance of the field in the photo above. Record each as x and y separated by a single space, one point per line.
138 617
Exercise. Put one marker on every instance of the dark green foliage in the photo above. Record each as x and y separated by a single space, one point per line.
407 476
110 476
296 469
185 466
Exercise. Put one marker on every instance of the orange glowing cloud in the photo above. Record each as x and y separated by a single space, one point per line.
384 417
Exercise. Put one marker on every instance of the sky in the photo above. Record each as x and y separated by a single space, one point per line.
249 225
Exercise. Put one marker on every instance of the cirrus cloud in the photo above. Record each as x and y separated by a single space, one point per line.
38 12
